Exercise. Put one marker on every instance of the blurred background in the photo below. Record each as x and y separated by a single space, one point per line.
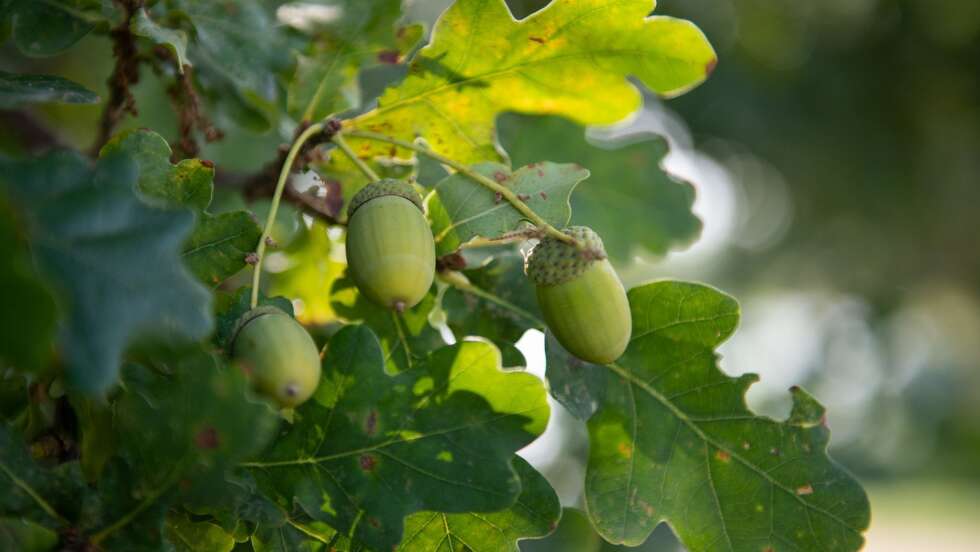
836 156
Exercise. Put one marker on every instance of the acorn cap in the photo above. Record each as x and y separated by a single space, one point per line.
250 315
554 262
381 188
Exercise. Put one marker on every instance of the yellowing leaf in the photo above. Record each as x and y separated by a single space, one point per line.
572 58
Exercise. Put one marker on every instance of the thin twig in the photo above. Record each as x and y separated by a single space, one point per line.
361 165
496 187
125 74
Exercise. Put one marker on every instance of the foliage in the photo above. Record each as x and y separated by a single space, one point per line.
130 428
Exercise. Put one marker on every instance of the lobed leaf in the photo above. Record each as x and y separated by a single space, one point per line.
630 200
218 247
534 515
672 440
114 259
462 209
569 59
174 40
372 448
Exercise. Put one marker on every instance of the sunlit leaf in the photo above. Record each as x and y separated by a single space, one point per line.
310 275
672 440
371 448
569 59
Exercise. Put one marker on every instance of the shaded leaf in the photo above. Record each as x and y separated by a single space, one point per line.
44 496
217 248
220 244
672 439
189 424
17 90
188 183
569 59
629 200
187 535
406 338
174 40
29 315
462 209
578 385
26 536
361 35
534 515
46 28
114 259
370 448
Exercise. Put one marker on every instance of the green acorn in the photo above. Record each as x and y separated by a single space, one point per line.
278 353
583 301
390 250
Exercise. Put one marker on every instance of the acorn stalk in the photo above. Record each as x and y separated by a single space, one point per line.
582 299
390 249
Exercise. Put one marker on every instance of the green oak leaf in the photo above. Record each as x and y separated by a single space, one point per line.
301 534
238 73
114 260
569 59
46 496
629 200
672 440
217 248
494 300
406 338
29 316
534 515
26 536
372 448
462 209
189 183
574 534
310 274
46 28
578 385
174 40
364 34
220 244
187 535
17 90
189 424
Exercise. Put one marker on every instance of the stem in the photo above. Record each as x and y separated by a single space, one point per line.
274 207
496 187
342 144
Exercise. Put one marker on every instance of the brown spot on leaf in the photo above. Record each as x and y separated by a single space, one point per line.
543 195
723 456
710 67
374 522
497 197
537 39
804 490
252 258
523 197
367 462
625 449
540 172
207 163
499 176
207 439
388 56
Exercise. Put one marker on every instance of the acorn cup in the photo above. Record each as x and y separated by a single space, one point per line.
390 250
581 297
278 354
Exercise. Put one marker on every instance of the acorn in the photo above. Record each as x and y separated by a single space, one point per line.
582 299
278 354
390 250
